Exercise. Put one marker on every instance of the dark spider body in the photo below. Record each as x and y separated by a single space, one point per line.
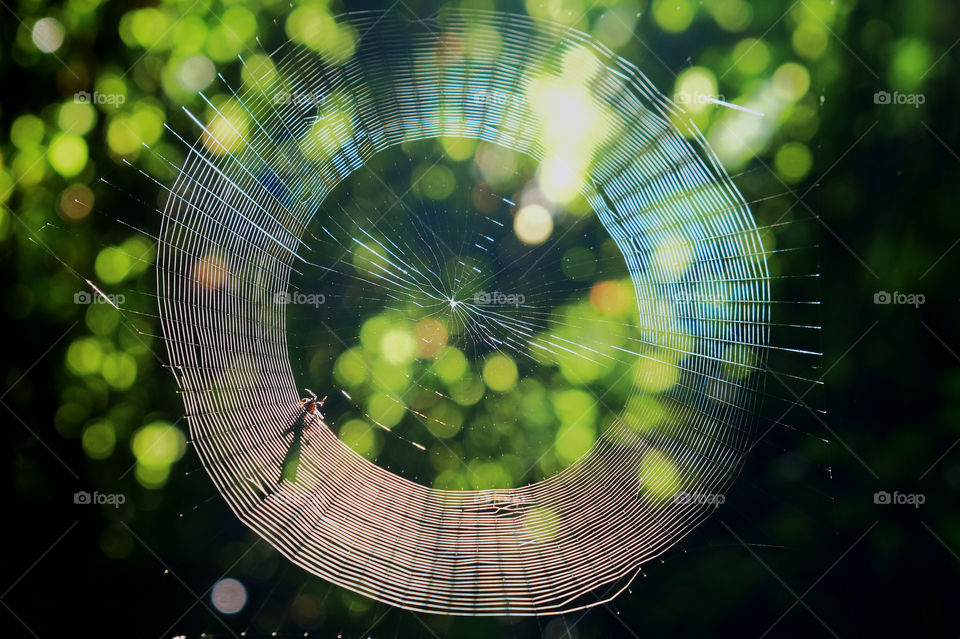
310 406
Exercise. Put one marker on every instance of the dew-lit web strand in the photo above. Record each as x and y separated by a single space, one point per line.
440 297
681 317
275 240
505 318
382 275
414 413
518 573
210 136
184 227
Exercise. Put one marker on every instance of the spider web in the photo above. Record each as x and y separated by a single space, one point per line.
268 208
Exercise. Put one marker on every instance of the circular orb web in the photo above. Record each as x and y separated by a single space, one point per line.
241 224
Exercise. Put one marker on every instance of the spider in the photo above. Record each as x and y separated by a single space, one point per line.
312 405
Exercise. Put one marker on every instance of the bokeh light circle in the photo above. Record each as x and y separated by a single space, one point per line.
228 596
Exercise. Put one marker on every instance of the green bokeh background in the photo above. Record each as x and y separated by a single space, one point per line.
89 405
